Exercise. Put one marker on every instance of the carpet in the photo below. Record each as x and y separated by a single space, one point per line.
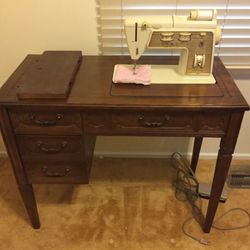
129 204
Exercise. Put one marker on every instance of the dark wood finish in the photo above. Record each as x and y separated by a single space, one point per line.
92 87
196 152
145 121
56 159
89 147
97 122
46 121
29 201
166 90
169 123
224 158
40 80
57 172
44 148
45 138
25 189
11 146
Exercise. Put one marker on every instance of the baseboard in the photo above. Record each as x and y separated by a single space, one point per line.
113 154
205 156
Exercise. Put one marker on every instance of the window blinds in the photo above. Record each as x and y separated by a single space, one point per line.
233 17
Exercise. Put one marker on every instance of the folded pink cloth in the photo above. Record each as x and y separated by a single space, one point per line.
125 74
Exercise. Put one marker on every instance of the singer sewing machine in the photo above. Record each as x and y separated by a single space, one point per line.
195 36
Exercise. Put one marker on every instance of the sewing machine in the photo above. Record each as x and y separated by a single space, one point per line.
194 35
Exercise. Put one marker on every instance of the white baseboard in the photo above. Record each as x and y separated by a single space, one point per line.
205 156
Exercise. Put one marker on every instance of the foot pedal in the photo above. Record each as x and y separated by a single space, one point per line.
204 191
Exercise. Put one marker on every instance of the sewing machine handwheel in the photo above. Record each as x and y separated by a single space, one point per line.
155 124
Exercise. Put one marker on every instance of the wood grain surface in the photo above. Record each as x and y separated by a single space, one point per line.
53 140
49 76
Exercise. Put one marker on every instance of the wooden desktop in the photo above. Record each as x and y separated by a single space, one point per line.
52 141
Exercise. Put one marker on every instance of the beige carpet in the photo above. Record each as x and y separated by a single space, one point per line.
128 205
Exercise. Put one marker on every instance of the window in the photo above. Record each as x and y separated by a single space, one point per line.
233 17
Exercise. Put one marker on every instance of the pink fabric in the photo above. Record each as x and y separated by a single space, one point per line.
125 74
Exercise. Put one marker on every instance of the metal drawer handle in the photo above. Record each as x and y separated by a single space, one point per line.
46 123
142 122
45 149
55 174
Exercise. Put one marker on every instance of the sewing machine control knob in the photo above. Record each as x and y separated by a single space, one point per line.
167 36
185 36
199 61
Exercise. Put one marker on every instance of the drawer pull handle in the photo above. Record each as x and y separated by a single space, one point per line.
142 122
55 174
45 149
46 123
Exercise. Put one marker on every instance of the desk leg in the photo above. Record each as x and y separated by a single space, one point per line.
224 158
196 152
29 201
25 188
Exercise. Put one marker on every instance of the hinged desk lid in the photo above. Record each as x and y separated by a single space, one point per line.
50 76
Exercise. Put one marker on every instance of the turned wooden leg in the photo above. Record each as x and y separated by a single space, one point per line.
29 201
224 158
196 152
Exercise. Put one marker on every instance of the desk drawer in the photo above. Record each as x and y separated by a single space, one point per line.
57 172
46 122
151 122
50 148
170 123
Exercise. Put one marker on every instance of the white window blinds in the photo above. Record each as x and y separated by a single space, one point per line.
233 17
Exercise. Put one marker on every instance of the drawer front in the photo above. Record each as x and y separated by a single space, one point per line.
170 123
50 148
56 172
96 122
46 122
151 122
213 123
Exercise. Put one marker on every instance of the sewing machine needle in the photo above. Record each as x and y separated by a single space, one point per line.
134 67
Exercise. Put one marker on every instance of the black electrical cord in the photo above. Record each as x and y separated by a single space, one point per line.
186 189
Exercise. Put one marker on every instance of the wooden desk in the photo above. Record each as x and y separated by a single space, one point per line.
53 141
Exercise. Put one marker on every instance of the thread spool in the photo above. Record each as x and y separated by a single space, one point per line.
204 15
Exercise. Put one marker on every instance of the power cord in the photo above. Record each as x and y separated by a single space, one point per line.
186 189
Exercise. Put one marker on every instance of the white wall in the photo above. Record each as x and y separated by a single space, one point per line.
32 26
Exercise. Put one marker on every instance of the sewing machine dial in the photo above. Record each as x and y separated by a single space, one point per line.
167 36
184 37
